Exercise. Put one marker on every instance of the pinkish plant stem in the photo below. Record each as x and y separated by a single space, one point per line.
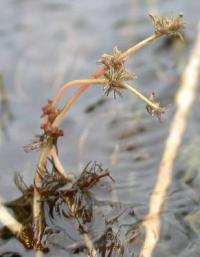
73 83
102 70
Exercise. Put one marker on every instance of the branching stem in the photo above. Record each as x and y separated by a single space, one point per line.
73 83
132 50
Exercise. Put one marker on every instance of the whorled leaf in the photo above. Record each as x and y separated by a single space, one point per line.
116 72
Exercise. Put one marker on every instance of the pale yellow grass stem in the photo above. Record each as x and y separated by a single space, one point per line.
184 99
8 220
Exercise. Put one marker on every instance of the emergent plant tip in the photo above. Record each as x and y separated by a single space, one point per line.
168 25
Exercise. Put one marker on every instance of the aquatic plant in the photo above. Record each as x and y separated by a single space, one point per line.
54 187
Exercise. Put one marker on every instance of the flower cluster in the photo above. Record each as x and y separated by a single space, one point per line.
168 25
116 72
51 131
114 61
50 112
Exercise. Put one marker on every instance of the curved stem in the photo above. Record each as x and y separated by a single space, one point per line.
142 97
57 163
73 83
69 104
53 155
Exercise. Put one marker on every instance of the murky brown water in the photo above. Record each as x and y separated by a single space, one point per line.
46 43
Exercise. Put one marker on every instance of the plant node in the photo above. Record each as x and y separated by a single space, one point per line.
116 72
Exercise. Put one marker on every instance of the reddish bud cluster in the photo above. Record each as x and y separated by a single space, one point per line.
55 132
47 109
51 113
44 126
51 131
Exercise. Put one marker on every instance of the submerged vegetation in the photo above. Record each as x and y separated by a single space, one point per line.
57 193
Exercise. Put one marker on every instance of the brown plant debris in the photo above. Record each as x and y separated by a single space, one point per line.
90 175
61 195
109 244
37 143
75 203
